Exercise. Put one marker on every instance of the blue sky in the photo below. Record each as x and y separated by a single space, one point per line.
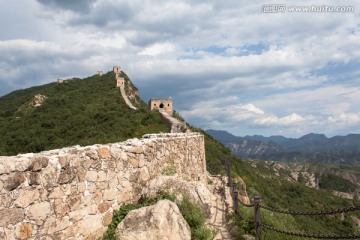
226 64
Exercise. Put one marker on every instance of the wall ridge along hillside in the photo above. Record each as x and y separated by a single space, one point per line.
72 192
120 82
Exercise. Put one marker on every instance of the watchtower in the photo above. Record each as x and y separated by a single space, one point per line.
165 105
120 82
117 69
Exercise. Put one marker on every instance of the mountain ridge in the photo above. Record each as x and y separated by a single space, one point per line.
311 147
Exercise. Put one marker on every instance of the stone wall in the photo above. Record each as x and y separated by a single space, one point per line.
176 126
71 192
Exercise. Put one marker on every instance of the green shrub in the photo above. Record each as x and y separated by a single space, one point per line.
195 216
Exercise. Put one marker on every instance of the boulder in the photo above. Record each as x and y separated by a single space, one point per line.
160 221
196 191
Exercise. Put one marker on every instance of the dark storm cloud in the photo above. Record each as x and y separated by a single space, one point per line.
82 6
112 16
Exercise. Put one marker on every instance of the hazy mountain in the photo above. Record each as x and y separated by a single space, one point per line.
311 147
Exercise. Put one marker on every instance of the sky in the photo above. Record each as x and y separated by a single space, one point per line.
248 67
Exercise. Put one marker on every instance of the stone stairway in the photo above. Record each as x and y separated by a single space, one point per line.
176 125
123 94
121 84
219 208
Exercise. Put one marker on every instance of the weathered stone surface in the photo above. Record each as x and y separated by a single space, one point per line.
67 174
24 231
77 215
11 216
197 191
109 194
104 152
39 211
5 200
56 193
61 208
92 209
144 175
107 219
160 221
26 197
74 202
91 176
103 207
38 163
90 225
53 225
14 181
102 176
34 179
135 162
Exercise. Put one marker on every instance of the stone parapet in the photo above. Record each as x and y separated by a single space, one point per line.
72 192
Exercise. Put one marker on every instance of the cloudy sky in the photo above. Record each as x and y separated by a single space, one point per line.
231 65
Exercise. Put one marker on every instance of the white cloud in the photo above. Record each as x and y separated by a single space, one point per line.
157 49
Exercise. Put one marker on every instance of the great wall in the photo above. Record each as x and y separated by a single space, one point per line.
71 193
164 106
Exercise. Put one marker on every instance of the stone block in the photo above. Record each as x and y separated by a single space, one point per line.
11 216
102 176
61 208
26 197
53 225
107 219
77 215
14 181
24 231
109 194
74 202
90 225
92 209
104 152
39 211
38 163
103 207
91 176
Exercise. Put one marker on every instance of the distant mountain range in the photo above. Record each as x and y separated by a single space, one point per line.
309 148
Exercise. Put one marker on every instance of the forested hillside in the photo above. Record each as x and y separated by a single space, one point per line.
78 111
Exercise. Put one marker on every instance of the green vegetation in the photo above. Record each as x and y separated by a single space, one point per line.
337 183
169 169
279 193
195 217
192 213
77 112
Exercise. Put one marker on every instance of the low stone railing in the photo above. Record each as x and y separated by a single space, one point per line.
72 192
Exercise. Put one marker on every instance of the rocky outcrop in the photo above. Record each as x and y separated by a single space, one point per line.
37 101
195 190
160 221
72 192
242 194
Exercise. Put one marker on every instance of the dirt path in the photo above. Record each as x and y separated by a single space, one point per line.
218 212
